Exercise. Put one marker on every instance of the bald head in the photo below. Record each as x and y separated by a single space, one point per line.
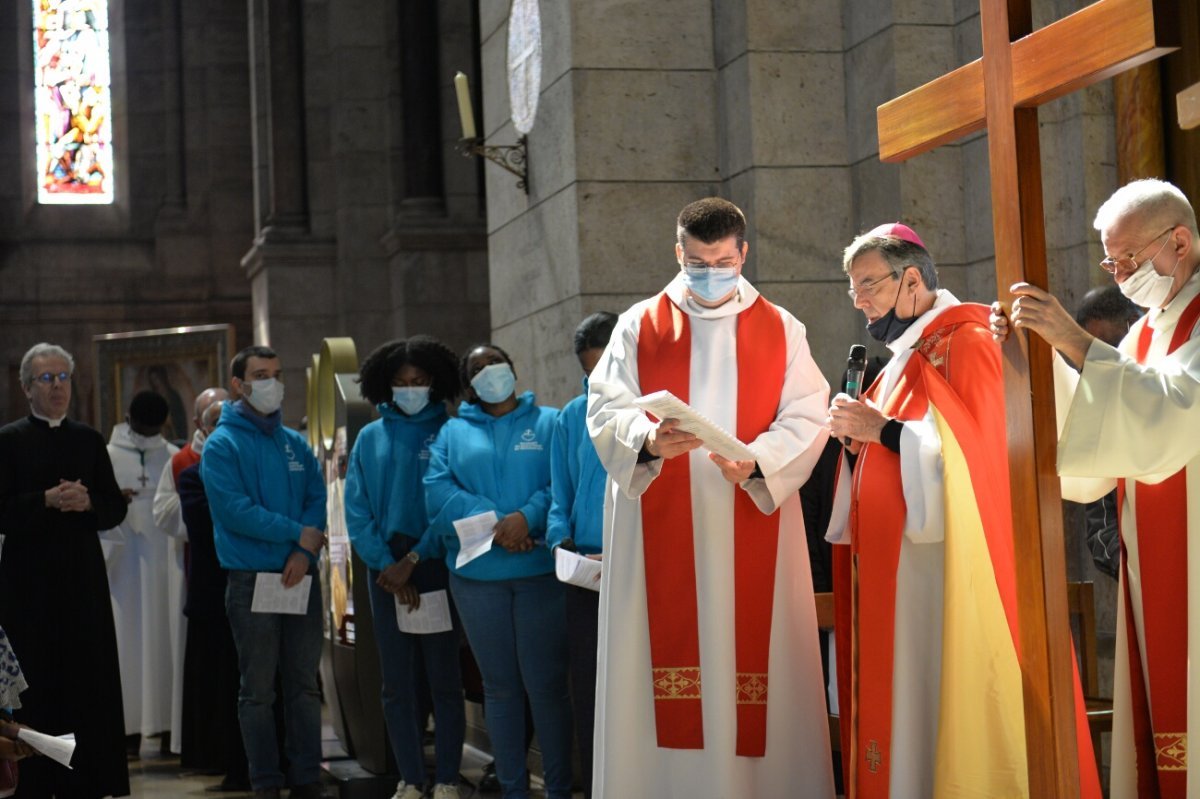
211 415
205 400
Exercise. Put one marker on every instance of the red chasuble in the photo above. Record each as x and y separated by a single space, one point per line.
955 375
182 459
1160 726
664 362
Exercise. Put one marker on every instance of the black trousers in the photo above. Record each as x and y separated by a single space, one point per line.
583 608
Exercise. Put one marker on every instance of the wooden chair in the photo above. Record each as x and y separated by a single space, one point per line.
1081 605
825 624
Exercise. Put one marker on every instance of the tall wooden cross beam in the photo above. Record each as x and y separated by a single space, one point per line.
1020 70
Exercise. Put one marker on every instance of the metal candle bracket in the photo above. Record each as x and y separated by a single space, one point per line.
513 157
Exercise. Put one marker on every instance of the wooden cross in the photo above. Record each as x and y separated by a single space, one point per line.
1188 105
1020 70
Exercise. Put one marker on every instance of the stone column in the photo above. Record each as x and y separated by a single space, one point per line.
781 113
624 137
291 271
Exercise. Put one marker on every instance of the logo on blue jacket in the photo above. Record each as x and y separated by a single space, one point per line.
424 453
293 464
528 442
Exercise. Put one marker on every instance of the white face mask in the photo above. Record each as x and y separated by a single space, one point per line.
198 439
265 396
410 399
1148 288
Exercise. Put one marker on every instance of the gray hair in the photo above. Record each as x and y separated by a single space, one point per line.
898 253
43 350
1151 202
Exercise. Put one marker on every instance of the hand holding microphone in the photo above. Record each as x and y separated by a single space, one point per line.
856 367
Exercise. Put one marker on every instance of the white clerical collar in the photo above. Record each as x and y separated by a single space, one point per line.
46 419
910 337
742 299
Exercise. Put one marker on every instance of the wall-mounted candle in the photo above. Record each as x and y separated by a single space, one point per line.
465 112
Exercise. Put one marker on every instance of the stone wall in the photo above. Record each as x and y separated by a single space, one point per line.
167 252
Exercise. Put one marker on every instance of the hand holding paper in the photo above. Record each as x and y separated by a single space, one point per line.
58 748
475 535
576 569
665 405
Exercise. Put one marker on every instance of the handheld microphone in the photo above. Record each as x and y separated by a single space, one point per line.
856 366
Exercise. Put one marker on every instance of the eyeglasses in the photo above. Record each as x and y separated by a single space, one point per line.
705 264
1110 265
870 288
49 378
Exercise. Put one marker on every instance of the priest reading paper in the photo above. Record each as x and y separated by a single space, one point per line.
709 679
1132 422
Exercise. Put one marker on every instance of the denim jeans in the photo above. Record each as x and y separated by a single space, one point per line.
518 631
291 645
398 654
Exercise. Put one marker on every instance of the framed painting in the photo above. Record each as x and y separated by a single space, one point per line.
177 363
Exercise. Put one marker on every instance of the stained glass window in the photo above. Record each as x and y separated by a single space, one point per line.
73 101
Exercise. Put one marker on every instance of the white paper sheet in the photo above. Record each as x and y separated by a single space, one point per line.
475 534
271 597
576 569
665 405
58 748
432 617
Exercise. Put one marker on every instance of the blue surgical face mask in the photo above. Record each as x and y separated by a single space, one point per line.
494 383
410 399
710 283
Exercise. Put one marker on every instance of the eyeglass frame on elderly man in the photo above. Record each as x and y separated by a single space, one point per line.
1114 263
50 378
872 285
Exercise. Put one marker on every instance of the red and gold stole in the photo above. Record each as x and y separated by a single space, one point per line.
664 362
1160 726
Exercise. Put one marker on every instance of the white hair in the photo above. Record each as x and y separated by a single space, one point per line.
1151 201
43 350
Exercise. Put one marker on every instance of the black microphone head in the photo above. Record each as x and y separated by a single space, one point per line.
858 354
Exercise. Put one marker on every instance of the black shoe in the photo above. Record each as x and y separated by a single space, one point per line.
489 782
229 786
311 791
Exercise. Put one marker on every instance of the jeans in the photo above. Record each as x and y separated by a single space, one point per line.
398 653
518 631
291 645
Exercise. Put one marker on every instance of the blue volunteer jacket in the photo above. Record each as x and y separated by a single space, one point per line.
577 482
262 489
384 495
479 463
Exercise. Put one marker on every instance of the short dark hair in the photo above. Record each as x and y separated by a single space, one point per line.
148 409
424 352
594 332
711 220
466 356
897 252
238 366
1106 304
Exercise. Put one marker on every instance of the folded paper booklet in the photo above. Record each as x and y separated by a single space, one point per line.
576 569
475 536
58 748
271 597
432 617
665 405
